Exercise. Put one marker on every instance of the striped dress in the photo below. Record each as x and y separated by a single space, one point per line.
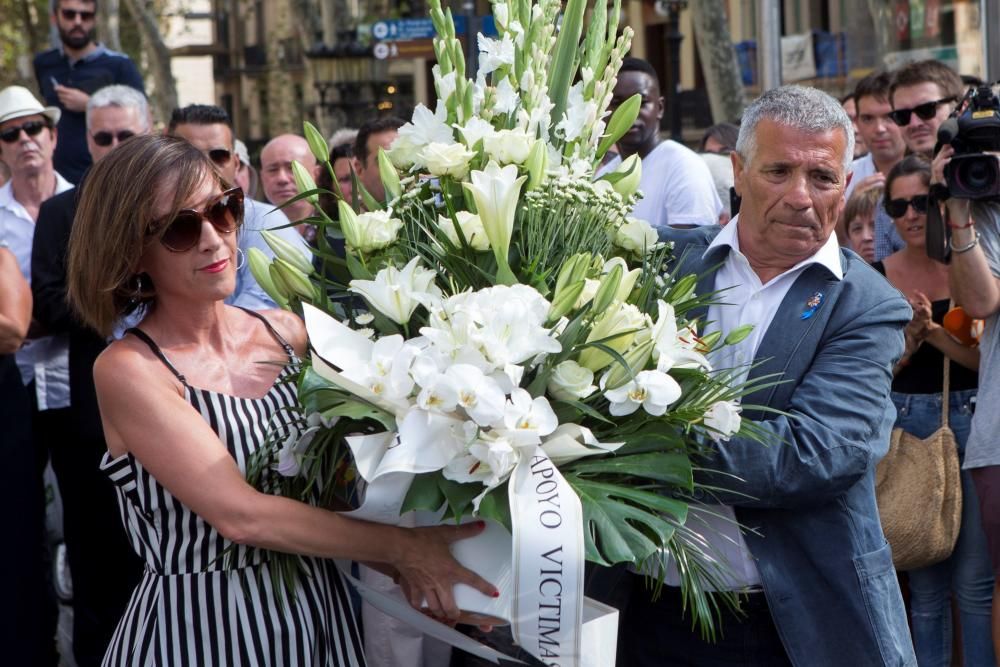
194 608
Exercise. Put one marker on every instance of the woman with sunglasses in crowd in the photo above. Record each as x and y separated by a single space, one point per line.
187 398
916 392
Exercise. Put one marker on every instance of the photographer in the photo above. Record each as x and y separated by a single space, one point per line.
975 282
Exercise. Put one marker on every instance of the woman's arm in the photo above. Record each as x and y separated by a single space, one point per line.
138 397
939 337
15 303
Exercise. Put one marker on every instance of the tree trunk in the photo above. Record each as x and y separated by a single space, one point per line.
109 26
718 57
164 95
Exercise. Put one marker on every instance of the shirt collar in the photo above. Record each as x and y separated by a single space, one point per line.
8 202
828 255
100 50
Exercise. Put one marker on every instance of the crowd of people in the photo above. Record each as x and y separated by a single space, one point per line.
131 328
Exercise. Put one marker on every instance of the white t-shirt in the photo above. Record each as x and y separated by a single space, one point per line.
862 168
677 187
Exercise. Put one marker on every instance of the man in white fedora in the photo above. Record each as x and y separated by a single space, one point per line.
27 142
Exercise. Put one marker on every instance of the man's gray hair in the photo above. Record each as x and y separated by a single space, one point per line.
805 109
123 97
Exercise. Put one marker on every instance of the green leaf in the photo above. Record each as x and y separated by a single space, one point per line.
459 496
624 525
563 69
495 506
671 468
424 493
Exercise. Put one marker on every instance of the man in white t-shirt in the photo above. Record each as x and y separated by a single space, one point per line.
677 186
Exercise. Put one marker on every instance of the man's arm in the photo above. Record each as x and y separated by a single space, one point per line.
973 284
837 424
48 266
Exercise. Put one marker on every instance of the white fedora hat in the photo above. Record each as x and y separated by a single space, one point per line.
17 102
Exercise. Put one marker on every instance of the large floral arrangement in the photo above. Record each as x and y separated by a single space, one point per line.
501 309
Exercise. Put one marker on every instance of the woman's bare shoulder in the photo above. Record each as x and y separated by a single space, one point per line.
289 326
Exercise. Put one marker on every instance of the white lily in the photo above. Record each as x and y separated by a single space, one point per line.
673 348
654 391
496 193
396 294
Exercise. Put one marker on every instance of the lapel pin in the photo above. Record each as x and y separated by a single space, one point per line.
812 304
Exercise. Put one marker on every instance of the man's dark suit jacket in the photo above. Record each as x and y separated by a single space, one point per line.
809 499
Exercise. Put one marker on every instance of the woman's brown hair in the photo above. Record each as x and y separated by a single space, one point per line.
114 223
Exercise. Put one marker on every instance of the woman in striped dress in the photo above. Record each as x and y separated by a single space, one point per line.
185 403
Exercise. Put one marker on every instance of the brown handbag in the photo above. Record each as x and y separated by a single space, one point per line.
919 491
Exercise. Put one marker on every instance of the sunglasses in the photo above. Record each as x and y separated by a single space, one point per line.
105 138
896 208
924 111
220 156
31 128
182 233
71 14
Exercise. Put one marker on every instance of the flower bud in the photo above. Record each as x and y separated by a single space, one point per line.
572 270
708 341
620 122
565 300
637 358
280 288
537 163
317 144
606 293
683 289
348 223
390 177
627 176
296 281
260 269
287 251
738 334
304 181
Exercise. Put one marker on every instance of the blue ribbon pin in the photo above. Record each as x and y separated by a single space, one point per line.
812 304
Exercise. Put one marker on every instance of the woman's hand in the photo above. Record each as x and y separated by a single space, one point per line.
921 324
428 572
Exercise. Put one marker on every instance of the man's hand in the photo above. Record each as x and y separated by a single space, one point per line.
875 180
73 99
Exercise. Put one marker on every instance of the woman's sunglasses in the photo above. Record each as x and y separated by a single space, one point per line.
182 233
896 208
924 111
31 128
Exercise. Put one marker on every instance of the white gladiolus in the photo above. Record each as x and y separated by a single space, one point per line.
723 417
570 381
507 98
396 294
494 53
475 129
425 128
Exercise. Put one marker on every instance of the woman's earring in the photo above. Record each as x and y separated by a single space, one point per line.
241 258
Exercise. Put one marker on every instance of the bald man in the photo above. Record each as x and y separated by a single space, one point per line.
276 174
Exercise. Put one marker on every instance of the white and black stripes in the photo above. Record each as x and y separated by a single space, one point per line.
190 608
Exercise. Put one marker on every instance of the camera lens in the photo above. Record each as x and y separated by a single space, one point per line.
974 176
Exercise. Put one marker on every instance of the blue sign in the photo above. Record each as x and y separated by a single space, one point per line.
403 30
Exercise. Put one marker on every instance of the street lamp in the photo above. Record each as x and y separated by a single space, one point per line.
673 9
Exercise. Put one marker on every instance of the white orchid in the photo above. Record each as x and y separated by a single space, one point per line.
479 395
494 53
654 391
396 294
527 420
439 394
496 193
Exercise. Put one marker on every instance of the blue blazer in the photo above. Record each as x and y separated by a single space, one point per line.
809 499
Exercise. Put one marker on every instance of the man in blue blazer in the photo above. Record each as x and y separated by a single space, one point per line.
817 574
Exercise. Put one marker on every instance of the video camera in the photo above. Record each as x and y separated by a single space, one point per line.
973 130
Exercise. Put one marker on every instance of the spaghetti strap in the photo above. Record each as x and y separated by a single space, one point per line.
144 337
289 350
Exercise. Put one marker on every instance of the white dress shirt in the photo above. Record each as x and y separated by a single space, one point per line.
748 301
46 359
